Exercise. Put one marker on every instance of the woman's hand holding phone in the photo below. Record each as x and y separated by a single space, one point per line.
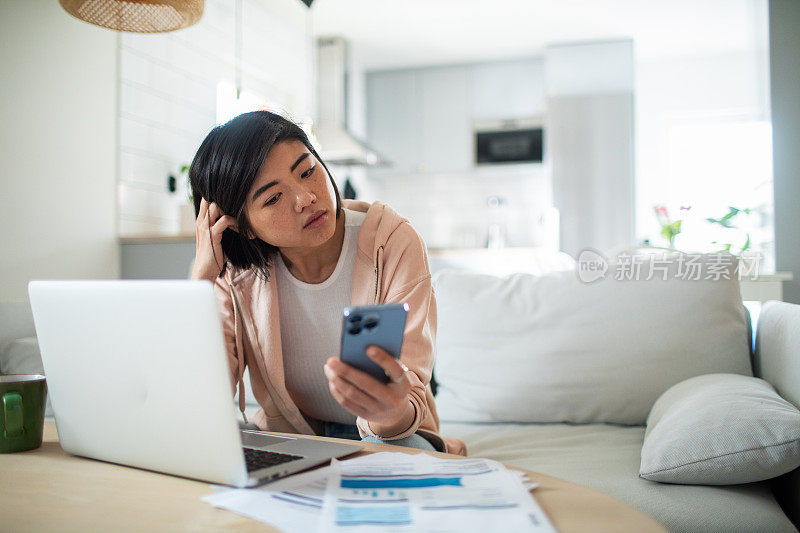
209 257
384 404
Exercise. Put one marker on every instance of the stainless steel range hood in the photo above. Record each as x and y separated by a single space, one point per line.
338 145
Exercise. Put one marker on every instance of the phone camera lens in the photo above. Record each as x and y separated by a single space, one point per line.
371 322
354 318
355 331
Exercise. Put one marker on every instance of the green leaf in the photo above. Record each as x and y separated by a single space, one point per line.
746 244
721 221
727 248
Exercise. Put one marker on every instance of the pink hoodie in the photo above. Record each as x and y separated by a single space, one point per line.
391 265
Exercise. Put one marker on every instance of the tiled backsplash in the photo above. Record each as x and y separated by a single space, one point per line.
452 210
424 119
168 96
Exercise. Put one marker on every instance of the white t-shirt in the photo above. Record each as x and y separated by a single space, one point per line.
311 322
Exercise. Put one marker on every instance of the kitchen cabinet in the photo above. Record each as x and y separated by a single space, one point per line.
422 119
506 89
446 128
419 119
393 120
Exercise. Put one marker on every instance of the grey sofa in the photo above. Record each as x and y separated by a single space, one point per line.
601 456
540 372
606 457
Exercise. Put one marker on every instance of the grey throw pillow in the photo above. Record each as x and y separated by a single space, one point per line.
720 429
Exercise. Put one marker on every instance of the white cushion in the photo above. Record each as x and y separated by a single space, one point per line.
551 348
502 261
720 429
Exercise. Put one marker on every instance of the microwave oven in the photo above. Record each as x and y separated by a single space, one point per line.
508 141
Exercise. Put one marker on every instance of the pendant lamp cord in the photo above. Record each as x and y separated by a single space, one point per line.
238 49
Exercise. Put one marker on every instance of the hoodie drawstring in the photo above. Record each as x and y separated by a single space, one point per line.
239 354
377 276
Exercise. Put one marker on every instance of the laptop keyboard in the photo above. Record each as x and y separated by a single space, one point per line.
257 459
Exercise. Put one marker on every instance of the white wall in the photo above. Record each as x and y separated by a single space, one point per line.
784 17
168 98
57 146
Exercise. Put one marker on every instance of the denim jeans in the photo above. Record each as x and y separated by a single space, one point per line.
344 431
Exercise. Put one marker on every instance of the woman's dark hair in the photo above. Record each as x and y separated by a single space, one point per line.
223 171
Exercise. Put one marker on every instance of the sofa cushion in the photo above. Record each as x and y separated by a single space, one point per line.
720 429
605 457
552 348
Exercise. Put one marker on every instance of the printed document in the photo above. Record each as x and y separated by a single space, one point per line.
392 491
401 492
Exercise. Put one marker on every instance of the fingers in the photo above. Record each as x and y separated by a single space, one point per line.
210 225
210 209
208 214
223 223
211 216
336 369
203 209
352 398
361 380
384 394
390 365
213 213
363 395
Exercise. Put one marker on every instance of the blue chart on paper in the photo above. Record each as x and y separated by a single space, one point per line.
382 514
399 483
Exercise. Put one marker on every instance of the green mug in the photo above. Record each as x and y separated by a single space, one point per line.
22 403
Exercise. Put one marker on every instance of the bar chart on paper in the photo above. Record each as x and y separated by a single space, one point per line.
400 492
393 492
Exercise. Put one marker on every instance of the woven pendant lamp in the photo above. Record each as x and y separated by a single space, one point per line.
141 16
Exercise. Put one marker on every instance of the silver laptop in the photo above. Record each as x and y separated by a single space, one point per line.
137 375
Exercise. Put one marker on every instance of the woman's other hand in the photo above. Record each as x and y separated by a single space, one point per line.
382 404
209 257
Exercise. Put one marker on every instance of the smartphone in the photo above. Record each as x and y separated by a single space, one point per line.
363 325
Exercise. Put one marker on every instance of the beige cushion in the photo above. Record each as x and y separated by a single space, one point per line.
720 429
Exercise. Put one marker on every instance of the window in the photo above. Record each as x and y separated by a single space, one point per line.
711 166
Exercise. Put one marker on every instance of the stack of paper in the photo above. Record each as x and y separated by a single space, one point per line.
392 491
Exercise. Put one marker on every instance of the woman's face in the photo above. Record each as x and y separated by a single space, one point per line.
290 188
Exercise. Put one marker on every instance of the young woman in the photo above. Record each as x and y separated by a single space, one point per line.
286 255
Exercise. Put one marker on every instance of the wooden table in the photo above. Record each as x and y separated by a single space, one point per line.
48 490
